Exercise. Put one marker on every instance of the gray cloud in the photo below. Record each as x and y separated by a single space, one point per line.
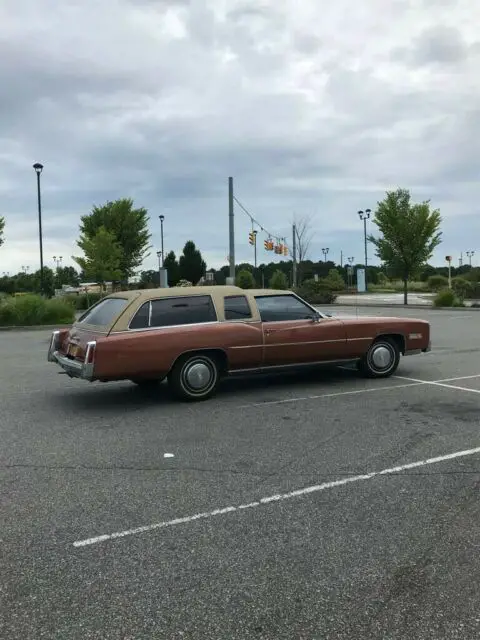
437 45
164 105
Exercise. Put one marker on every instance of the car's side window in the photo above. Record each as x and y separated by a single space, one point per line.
140 319
282 307
168 312
237 308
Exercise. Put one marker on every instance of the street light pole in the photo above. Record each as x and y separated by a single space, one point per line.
162 218
365 215
325 253
38 170
160 261
470 256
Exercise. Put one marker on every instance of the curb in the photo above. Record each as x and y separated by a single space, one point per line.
374 305
38 327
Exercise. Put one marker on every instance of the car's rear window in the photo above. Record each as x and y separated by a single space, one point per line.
105 312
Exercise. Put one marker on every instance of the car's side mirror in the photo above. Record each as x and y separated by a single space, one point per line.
316 317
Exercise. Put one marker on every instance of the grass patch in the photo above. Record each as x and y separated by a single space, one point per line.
32 310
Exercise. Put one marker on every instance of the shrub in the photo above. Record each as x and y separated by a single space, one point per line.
447 298
33 310
83 301
462 287
436 283
382 279
317 291
184 283
335 280
278 280
245 279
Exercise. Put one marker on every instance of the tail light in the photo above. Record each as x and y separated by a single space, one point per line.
90 352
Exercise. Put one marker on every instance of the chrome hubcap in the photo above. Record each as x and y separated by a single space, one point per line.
382 357
198 376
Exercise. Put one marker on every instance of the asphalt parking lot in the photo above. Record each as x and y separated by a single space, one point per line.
254 515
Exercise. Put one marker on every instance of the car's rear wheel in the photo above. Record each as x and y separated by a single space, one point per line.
195 376
381 359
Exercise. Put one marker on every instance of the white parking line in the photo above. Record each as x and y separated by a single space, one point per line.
413 382
275 498
329 395
438 383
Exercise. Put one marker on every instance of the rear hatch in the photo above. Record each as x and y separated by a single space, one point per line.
95 323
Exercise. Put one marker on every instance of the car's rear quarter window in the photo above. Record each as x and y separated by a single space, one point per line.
169 312
237 308
105 312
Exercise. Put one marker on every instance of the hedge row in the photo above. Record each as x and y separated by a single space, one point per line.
30 310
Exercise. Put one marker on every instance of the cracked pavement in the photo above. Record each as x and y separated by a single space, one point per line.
391 558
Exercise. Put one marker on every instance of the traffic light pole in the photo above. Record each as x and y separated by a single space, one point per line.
255 248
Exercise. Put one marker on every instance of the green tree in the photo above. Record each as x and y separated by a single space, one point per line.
191 264
102 257
48 282
2 230
278 280
173 270
129 228
149 279
410 234
245 279
68 276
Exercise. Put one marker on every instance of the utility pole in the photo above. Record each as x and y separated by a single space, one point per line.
231 231
294 254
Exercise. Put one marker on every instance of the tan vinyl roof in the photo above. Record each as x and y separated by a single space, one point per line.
215 290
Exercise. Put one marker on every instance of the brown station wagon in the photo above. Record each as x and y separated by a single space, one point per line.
196 335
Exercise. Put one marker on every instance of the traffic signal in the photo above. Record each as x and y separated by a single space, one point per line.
285 250
268 244
251 238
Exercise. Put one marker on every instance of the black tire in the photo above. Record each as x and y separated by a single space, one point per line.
147 383
381 359
195 377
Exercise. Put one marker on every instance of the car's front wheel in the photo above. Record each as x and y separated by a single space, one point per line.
195 376
381 359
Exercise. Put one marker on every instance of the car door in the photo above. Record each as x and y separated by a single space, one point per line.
293 334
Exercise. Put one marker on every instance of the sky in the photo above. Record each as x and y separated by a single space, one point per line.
314 109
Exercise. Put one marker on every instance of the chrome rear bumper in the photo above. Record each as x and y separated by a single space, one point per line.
73 368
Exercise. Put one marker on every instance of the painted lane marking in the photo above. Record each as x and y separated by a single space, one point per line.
275 498
329 395
437 383
168 455
413 382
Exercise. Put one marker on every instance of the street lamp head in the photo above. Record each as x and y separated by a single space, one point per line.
159 253
38 167
162 218
368 212
360 215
